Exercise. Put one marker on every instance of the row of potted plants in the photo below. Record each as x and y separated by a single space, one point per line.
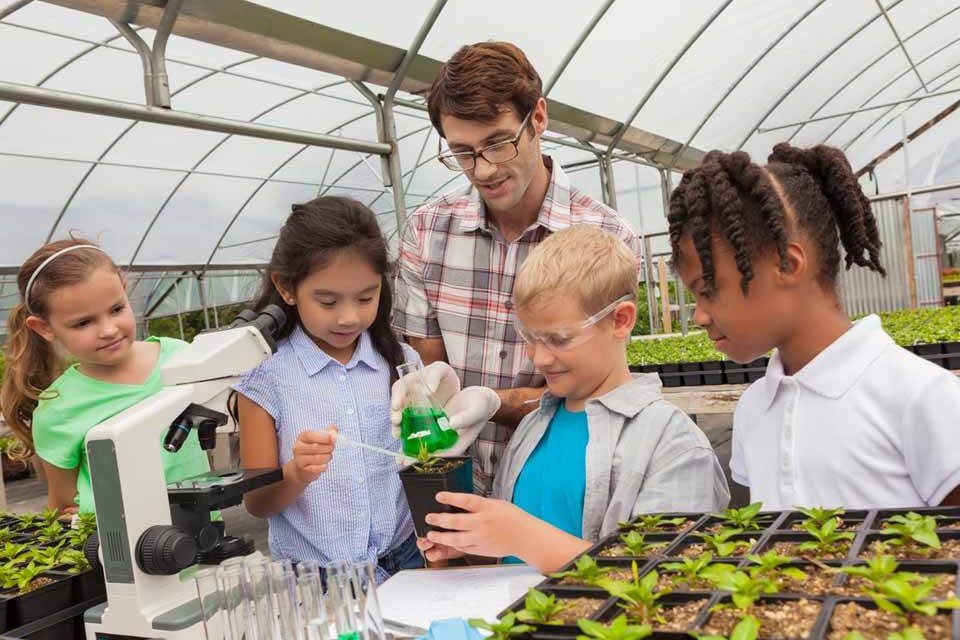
745 574
43 568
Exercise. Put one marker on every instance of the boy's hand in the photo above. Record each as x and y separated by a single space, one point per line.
434 552
312 452
490 528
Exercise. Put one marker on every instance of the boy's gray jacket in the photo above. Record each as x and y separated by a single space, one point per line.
644 455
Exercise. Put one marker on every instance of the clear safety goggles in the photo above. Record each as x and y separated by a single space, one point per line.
568 337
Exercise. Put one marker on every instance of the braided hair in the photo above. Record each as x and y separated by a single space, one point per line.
748 204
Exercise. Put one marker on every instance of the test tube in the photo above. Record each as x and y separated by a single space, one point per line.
209 596
284 584
365 574
257 585
234 601
312 605
341 599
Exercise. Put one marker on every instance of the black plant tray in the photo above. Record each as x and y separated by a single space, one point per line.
37 604
857 518
564 630
614 540
695 518
827 614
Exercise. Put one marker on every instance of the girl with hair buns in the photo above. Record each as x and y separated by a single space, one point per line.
843 417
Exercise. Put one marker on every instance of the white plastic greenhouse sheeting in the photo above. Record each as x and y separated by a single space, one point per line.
158 195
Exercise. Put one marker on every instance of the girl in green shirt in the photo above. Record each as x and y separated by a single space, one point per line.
74 304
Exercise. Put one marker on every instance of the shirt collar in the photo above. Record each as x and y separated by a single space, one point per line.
313 359
835 369
628 399
554 210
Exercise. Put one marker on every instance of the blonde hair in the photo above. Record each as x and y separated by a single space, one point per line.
582 261
32 363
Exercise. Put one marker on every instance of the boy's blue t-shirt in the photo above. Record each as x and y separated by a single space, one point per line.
553 481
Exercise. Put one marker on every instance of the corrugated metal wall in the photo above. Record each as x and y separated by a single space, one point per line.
864 291
926 254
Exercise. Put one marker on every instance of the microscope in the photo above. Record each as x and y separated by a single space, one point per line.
153 535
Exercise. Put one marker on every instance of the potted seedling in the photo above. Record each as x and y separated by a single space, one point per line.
586 572
618 629
633 544
657 523
643 602
746 629
746 518
722 544
693 574
818 516
506 628
779 616
430 475
913 537
541 608
898 603
866 577
820 543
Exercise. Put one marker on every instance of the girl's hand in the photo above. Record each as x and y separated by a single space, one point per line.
312 452
490 528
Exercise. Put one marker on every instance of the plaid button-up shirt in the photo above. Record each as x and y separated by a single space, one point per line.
455 282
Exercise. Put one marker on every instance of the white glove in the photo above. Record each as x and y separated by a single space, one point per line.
468 412
440 378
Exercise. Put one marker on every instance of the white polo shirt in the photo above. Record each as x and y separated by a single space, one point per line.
866 424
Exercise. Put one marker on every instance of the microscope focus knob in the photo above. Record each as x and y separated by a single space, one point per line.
91 549
164 550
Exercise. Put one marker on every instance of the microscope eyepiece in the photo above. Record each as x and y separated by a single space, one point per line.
177 434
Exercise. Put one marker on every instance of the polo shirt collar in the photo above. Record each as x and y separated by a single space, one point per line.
554 211
313 359
628 399
838 367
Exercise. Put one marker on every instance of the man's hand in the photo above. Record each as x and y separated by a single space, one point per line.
490 528
441 380
312 452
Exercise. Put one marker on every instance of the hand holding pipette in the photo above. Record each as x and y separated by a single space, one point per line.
399 457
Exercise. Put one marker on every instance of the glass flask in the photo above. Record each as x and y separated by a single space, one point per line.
424 424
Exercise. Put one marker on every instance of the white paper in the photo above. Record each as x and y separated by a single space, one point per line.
421 596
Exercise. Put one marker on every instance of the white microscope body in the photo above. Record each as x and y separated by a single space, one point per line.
142 554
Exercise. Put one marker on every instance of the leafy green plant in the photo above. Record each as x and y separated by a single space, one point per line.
618 629
12 550
637 545
585 571
817 516
75 559
908 599
826 538
50 533
746 629
28 521
653 522
691 570
505 628
50 515
27 575
640 594
744 588
540 608
426 461
721 544
876 570
745 518
913 527
772 565
7 534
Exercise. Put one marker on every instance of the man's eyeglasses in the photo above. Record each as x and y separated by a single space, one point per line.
494 154
564 338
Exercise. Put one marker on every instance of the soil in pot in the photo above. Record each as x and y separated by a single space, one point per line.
874 624
946 587
673 617
792 548
778 619
818 582
949 550
842 525
697 549
578 609
622 574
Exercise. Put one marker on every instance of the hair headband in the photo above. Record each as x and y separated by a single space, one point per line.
36 272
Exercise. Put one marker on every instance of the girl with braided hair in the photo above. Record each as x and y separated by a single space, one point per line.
843 417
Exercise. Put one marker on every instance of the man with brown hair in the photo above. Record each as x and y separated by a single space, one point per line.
460 253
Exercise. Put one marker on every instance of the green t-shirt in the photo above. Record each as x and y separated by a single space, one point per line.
76 403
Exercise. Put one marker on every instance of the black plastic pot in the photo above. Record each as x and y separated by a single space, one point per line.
951 358
826 616
40 603
564 630
677 550
658 566
863 550
691 376
798 536
421 490
88 585
756 369
554 583
765 520
945 515
850 518
945 567
673 599
816 630
734 372
670 375
712 372
614 540
693 517
927 349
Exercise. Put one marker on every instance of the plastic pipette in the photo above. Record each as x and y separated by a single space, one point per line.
342 439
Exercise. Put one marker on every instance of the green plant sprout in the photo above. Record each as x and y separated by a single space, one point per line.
745 518
585 571
636 544
913 527
50 533
640 595
689 570
721 544
50 515
27 521
746 629
27 575
426 461
907 599
652 522
75 559
876 570
506 628
745 589
618 629
910 633
540 608
827 539
818 515
771 565
11 550
7 534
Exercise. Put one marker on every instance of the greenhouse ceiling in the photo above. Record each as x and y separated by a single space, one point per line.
260 93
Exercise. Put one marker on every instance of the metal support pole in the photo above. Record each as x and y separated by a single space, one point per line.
85 104
611 184
903 47
176 295
666 184
576 47
203 300
161 83
143 50
647 256
13 6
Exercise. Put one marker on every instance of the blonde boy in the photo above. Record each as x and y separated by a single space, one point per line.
604 445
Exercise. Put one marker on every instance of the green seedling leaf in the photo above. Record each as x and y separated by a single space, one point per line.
540 608
619 629
586 570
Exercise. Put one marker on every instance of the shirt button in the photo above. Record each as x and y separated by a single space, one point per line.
359 479
342 377
508 304
503 354
350 412
493 459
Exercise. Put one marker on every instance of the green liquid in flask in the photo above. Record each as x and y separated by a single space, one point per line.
427 425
